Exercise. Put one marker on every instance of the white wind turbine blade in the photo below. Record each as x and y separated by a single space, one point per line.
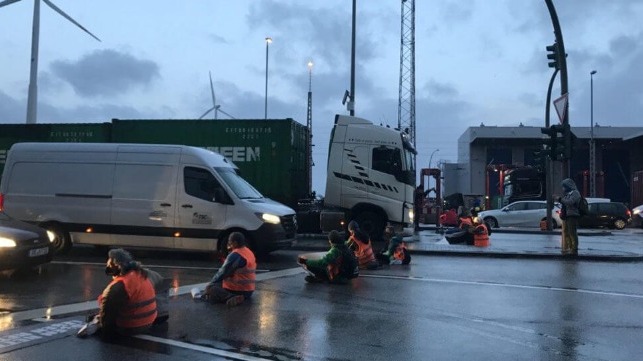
8 2
214 97
62 13
206 113
32 96
231 117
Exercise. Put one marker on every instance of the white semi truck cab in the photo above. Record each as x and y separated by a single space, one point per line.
370 177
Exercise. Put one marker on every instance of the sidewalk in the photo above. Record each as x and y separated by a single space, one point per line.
594 244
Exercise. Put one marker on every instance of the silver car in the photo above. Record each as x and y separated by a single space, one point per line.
518 214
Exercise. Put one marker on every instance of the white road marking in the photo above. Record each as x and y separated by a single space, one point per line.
208 350
508 285
145 265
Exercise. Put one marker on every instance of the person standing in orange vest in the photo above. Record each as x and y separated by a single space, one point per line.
236 275
127 305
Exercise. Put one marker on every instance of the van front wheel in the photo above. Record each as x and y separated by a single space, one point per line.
62 240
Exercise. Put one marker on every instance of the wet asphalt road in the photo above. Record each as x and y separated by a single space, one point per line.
439 308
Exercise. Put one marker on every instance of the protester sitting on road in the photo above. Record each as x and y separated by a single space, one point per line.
465 223
236 275
361 245
127 305
338 265
449 218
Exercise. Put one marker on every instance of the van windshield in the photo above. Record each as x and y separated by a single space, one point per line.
239 186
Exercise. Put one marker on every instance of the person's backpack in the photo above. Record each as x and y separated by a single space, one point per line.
583 207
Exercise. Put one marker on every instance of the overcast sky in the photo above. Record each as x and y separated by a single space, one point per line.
477 61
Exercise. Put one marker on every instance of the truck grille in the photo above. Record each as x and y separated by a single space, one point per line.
289 223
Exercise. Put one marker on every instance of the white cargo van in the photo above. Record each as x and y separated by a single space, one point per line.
139 195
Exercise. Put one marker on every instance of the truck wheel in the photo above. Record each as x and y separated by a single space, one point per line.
62 240
371 223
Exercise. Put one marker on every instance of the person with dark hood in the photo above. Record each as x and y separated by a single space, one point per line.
127 305
569 215
338 265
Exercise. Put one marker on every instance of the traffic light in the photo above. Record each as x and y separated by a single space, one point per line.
568 142
551 143
540 158
553 56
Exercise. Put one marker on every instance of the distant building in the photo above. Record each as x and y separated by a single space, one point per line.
483 149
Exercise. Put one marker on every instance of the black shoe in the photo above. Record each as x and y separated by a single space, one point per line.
312 279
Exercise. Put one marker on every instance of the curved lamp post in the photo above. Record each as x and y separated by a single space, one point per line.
431 157
265 114
592 145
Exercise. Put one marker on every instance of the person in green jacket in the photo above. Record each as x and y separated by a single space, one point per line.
338 265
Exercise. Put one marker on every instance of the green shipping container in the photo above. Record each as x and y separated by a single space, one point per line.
271 154
64 132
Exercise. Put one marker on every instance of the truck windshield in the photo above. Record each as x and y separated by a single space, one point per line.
241 188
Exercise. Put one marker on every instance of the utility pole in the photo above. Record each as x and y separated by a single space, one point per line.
309 125
351 103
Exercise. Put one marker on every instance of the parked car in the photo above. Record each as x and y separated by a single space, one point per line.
517 214
603 214
23 245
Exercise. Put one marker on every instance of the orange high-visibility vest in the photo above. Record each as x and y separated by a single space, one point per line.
363 253
243 279
481 236
140 309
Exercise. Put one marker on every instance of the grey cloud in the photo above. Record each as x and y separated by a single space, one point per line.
12 111
106 73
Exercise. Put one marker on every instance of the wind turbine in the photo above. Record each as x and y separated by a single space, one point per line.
32 98
216 107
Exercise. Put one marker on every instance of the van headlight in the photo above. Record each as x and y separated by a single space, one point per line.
269 218
7 242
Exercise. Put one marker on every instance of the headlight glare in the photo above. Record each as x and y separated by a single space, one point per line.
51 235
7 242
270 218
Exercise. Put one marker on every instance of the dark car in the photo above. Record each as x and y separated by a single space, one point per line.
606 214
23 245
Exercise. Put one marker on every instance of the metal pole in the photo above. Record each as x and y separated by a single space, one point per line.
592 144
352 95
431 157
265 115
549 164
562 61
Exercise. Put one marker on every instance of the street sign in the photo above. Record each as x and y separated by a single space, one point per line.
561 106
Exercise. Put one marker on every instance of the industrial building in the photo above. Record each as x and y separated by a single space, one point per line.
485 152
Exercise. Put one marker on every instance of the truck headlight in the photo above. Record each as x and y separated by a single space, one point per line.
7 242
269 218
51 235
411 215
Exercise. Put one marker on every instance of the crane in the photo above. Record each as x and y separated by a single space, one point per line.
406 100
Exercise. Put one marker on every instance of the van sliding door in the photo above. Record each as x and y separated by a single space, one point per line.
143 205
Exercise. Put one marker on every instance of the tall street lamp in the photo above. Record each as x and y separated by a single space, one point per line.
431 157
265 115
592 145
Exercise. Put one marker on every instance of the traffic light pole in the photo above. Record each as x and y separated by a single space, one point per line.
549 165
562 64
